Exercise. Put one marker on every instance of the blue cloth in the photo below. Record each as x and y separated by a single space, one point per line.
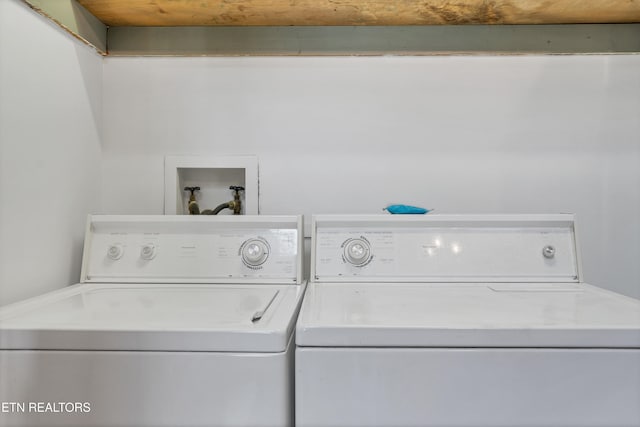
405 209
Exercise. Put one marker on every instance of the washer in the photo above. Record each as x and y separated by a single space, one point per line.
178 321
461 321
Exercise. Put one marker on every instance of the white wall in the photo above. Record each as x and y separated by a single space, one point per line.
459 134
50 126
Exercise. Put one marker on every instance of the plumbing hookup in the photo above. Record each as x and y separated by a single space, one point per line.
235 205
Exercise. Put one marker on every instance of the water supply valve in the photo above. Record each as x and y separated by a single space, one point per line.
237 203
193 207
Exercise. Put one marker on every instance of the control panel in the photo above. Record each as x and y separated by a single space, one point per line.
188 249
450 248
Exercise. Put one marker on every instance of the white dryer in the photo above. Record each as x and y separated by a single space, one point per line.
461 321
178 321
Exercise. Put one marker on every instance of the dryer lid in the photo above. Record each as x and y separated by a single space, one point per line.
158 317
534 315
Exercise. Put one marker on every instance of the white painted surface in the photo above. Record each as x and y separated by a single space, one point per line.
467 387
467 315
50 126
528 134
151 389
154 317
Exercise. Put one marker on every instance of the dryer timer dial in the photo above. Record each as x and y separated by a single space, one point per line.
357 252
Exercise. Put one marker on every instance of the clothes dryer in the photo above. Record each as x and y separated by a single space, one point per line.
461 320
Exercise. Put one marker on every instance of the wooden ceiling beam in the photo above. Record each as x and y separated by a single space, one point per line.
359 12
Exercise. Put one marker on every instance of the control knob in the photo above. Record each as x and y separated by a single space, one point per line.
148 252
357 252
115 251
254 252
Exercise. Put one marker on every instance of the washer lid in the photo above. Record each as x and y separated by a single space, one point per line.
467 315
160 317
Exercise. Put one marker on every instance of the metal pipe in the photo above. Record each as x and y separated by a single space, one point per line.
216 211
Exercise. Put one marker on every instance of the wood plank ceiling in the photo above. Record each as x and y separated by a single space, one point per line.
117 13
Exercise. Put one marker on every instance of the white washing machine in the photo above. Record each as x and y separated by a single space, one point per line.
461 321
178 321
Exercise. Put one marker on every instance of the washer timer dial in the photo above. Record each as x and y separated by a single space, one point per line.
254 252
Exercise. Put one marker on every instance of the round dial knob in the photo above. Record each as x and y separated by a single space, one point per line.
115 251
255 252
148 251
357 252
